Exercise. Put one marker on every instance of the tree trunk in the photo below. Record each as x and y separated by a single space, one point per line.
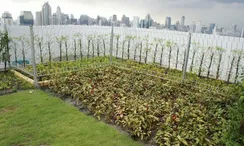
49 51
192 61
123 49
218 68
75 49
104 47
155 53
93 49
128 50
140 51
177 58
135 52
23 53
81 55
40 48
66 51
117 48
60 51
237 68
88 48
170 50
200 68
15 54
184 60
231 67
146 53
210 64
161 56
98 51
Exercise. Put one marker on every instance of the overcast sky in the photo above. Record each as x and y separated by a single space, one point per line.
222 12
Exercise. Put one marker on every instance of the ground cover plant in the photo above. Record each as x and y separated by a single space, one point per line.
152 109
9 82
40 119
234 135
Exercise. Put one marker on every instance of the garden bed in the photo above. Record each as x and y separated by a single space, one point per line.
10 83
153 109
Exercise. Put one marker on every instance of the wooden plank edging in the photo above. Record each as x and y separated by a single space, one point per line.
29 80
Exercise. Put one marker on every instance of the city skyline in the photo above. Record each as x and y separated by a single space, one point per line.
171 9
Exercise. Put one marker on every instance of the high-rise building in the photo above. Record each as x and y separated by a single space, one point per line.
65 19
46 14
217 30
104 21
136 20
7 19
84 20
53 20
193 27
182 22
211 28
26 18
73 21
125 20
72 16
177 25
168 22
242 33
148 21
114 18
38 19
59 16
199 27
142 24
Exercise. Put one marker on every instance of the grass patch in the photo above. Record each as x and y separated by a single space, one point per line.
40 119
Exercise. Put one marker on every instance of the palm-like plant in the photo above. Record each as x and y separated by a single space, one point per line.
169 45
212 51
156 40
39 40
117 44
195 48
220 52
75 36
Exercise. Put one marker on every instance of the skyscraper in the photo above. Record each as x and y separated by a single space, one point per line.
46 14
38 19
26 18
125 20
199 27
182 22
84 20
211 28
114 18
177 25
148 21
142 24
136 20
193 27
168 22
53 20
59 16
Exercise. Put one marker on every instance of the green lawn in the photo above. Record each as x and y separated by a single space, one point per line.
40 119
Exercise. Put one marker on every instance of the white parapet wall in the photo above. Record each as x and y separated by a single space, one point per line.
151 39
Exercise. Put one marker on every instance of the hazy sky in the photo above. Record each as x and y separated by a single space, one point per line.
222 12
